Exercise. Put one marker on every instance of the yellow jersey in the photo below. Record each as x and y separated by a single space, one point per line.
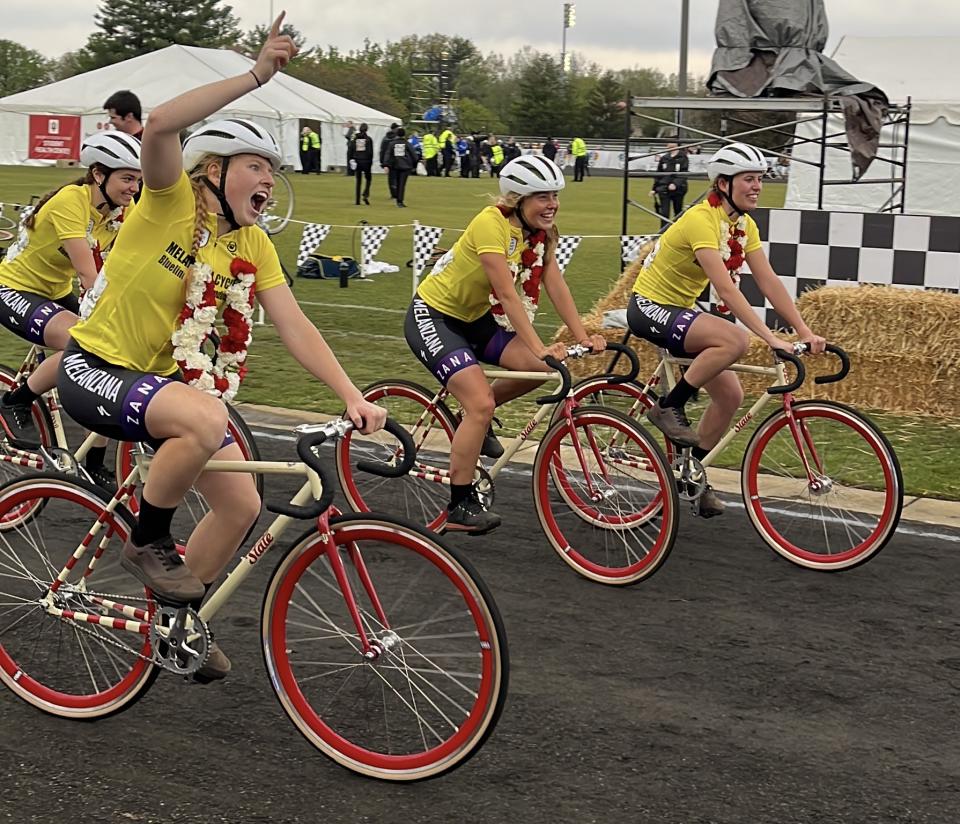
671 274
143 290
458 284
37 261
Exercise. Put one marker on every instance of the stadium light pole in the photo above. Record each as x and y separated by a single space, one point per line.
569 21
682 76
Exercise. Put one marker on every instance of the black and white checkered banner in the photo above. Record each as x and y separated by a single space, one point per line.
630 246
808 249
566 246
313 235
424 240
371 239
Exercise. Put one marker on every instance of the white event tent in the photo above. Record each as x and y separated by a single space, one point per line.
923 69
279 106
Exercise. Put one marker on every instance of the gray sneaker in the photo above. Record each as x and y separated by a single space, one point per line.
216 667
709 504
472 517
160 567
672 422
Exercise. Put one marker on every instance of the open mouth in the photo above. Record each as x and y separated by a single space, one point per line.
259 201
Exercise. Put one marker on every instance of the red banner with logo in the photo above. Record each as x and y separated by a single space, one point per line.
54 137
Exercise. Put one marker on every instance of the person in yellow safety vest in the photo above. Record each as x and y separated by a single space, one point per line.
496 156
430 148
579 151
309 151
447 149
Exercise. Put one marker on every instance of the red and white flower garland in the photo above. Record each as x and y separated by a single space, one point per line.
529 274
222 374
731 251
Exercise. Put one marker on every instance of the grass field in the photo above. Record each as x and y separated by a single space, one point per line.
363 323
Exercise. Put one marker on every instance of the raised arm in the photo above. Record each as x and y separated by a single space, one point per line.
161 157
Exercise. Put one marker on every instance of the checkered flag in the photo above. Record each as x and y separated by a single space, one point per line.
424 240
313 235
370 241
630 246
566 246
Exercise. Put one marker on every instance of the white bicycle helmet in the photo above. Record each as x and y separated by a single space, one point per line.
735 158
227 138
115 150
528 174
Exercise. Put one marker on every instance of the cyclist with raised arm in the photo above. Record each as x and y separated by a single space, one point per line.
66 235
190 248
708 245
469 310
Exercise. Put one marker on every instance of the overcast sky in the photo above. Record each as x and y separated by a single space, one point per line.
613 33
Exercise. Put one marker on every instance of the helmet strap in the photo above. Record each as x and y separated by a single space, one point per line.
220 192
523 222
728 196
102 186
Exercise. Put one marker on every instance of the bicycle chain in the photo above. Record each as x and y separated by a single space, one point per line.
89 628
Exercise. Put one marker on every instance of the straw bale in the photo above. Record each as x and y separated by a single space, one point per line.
904 346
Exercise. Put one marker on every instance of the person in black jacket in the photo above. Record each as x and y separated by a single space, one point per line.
401 160
669 187
384 146
550 149
360 160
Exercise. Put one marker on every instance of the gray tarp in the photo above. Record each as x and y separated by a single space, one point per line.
773 48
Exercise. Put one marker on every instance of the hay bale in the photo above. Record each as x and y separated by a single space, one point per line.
904 346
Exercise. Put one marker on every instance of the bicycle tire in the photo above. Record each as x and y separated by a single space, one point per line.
13 463
61 665
421 496
279 209
440 678
808 524
616 522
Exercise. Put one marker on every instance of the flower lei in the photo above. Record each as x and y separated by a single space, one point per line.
221 375
529 276
732 250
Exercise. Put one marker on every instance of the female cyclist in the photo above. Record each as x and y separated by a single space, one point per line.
708 244
67 234
191 246
469 310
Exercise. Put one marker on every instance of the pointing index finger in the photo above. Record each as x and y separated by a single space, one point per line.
275 28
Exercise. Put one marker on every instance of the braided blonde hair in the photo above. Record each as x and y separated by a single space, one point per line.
200 198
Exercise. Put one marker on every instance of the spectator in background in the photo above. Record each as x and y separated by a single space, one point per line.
476 155
550 149
578 148
670 184
401 160
360 161
495 156
417 145
431 148
348 132
463 155
511 150
310 142
305 160
448 149
384 148
125 114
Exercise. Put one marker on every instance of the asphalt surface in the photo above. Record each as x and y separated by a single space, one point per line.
729 687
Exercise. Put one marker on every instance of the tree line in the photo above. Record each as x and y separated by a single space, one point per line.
526 93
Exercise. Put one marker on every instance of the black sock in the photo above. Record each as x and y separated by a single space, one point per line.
23 395
458 492
679 395
152 524
95 457
699 452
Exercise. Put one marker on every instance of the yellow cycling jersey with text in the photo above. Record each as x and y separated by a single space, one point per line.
136 313
671 273
37 261
458 285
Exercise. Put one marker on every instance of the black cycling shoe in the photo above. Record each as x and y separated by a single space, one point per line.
472 517
103 478
18 424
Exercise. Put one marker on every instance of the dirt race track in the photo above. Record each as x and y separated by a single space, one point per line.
730 687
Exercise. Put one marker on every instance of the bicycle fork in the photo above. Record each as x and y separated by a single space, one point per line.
817 482
372 646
